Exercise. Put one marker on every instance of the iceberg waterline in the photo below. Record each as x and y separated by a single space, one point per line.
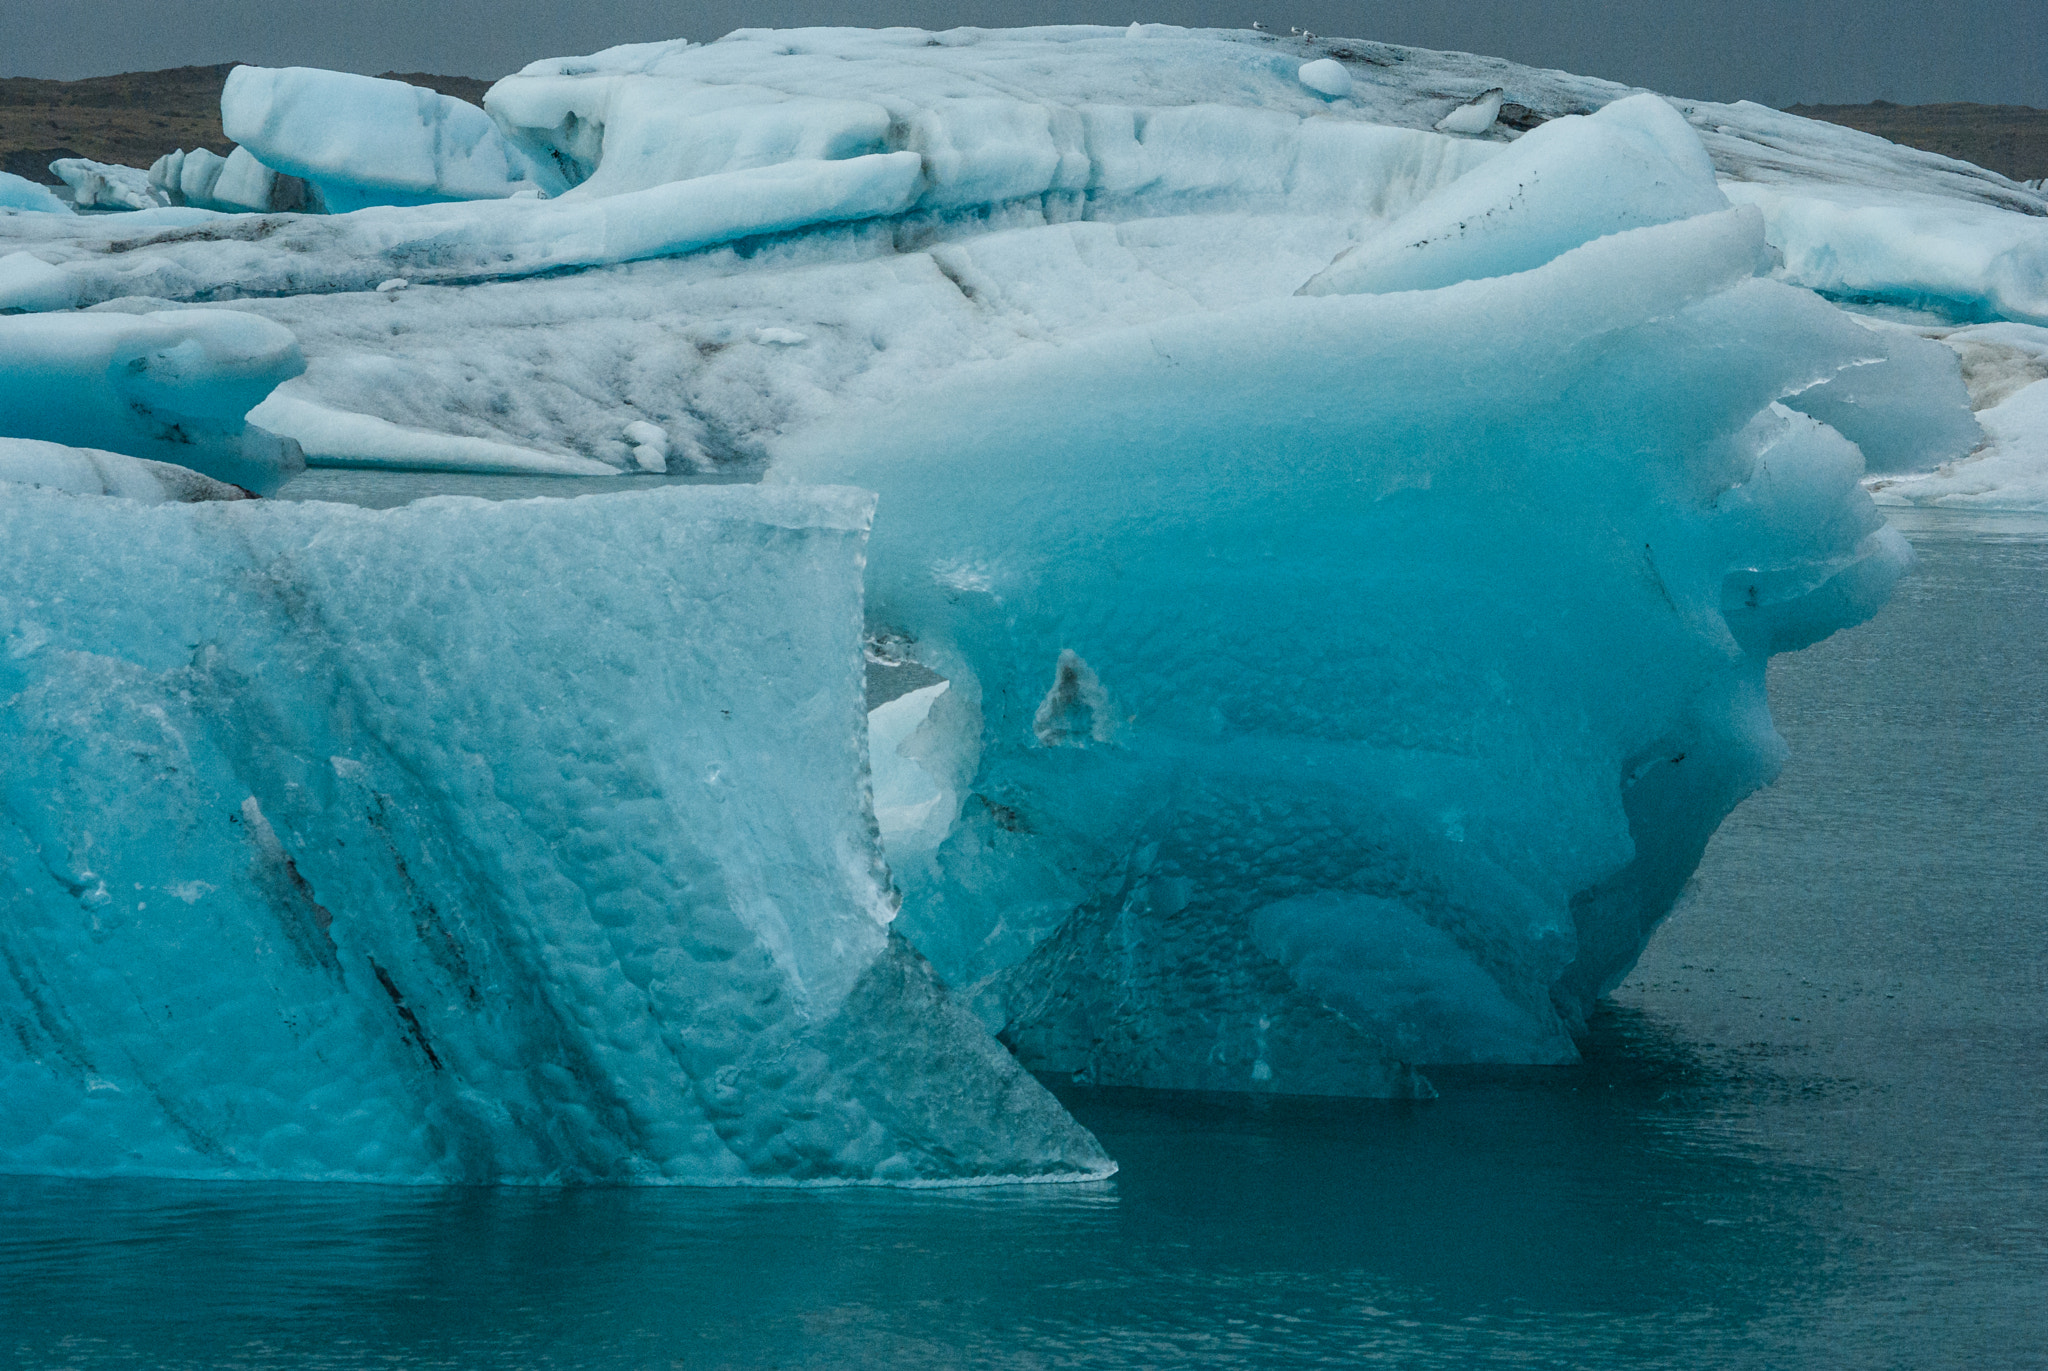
1351 552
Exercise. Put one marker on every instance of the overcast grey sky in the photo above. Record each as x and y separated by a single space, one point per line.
1910 51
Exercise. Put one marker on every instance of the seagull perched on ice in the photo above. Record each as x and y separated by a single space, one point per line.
1257 25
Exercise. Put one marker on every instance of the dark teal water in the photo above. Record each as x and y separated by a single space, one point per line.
1811 1131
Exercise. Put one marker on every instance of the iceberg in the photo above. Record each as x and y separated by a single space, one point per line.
1571 180
465 842
363 140
173 386
1339 554
103 185
1271 634
21 194
87 471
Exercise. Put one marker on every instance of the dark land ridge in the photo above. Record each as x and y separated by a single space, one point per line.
2011 140
137 117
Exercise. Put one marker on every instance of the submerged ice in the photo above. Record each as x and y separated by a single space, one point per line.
1331 533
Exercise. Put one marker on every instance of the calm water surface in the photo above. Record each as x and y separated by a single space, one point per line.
1811 1131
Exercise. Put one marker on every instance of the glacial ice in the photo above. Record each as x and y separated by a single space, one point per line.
1634 163
362 140
2005 366
174 386
87 471
1335 681
1175 730
30 285
237 183
20 193
466 842
105 185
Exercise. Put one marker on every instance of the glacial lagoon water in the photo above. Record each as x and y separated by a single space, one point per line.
1811 1130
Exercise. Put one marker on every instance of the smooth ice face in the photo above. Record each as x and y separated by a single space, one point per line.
1574 179
366 141
20 193
1270 633
174 386
466 842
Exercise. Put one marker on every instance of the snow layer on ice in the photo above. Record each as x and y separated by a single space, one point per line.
849 163
520 842
173 387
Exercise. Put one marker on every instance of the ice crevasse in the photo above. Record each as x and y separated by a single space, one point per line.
1351 552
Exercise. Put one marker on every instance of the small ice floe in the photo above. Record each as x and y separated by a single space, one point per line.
392 286
1326 76
650 445
780 337
1475 116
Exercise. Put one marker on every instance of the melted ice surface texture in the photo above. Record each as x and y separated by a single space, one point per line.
466 842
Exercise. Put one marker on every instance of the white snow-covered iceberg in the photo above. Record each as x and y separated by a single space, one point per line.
174 386
467 842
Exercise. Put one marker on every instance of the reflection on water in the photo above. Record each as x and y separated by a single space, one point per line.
1812 1130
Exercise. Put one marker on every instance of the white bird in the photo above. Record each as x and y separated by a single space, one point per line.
1257 25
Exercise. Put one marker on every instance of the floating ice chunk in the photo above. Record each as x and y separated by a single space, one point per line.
649 443
2010 471
246 184
1633 164
1326 76
1909 248
20 193
339 438
1329 668
103 185
363 140
30 284
442 859
1906 408
174 387
1475 116
187 178
392 286
84 471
